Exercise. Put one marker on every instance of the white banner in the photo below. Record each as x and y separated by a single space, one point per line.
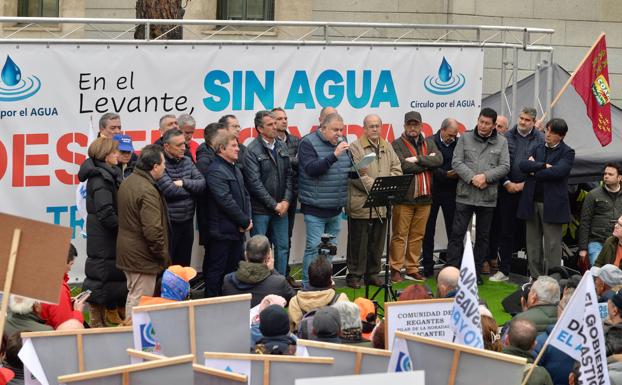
579 333
48 94
465 317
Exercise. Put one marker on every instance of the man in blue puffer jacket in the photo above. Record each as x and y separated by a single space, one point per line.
323 166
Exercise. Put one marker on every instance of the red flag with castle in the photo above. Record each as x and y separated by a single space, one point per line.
591 80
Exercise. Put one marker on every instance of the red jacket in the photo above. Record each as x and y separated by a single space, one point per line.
54 315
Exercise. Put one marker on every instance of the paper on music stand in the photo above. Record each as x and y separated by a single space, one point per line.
366 160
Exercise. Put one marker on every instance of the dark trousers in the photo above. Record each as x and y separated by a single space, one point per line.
221 258
181 237
446 201
291 215
365 246
506 230
462 217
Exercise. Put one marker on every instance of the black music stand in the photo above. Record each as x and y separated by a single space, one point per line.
387 191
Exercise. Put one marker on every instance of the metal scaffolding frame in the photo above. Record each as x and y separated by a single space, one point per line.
509 39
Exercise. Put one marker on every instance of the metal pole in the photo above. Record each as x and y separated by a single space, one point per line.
503 95
514 88
536 86
549 86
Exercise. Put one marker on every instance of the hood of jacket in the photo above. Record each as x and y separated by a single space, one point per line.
250 274
92 167
309 300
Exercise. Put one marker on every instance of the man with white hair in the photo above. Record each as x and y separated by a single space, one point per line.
542 303
187 124
23 315
166 123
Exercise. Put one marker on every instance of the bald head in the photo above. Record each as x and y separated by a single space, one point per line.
522 334
372 125
325 112
502 124
447 281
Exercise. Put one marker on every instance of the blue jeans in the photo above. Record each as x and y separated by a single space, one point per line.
278 227
593 249
317 226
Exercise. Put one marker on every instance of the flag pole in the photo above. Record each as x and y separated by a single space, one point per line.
571 78
533 366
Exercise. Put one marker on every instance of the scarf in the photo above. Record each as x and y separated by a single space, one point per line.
423 180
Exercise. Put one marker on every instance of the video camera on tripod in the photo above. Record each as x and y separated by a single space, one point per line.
326 247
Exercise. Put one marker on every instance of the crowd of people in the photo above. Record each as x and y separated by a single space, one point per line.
141 207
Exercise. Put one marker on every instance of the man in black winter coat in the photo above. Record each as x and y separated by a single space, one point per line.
205 157
180 185
256 274
229 210
268 178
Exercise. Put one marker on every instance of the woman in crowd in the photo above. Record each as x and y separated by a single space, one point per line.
106 283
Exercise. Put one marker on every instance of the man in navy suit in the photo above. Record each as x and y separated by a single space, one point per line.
545 205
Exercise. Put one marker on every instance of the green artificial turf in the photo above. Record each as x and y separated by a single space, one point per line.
491 292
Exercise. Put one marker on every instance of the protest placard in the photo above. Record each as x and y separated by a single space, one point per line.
82 350
427 318
450 363
410 378
195 322
349 359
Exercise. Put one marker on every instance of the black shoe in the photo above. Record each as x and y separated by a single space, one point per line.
353 282
480 281
374 280
428 273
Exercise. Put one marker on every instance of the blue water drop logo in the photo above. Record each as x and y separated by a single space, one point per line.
444 71
445 82
11 74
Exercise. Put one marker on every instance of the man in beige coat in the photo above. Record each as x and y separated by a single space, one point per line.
365 240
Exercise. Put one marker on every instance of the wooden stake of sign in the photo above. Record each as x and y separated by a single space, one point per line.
124 370
8 281
454 367
533 366
80 343
143 355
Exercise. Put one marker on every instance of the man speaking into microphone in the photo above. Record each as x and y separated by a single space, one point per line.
323 167
366 235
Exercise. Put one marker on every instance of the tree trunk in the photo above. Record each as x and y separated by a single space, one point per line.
159 9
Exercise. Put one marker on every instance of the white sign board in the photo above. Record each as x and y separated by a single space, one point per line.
427 318
46 111
410 378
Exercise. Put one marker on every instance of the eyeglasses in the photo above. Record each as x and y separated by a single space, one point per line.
618 224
